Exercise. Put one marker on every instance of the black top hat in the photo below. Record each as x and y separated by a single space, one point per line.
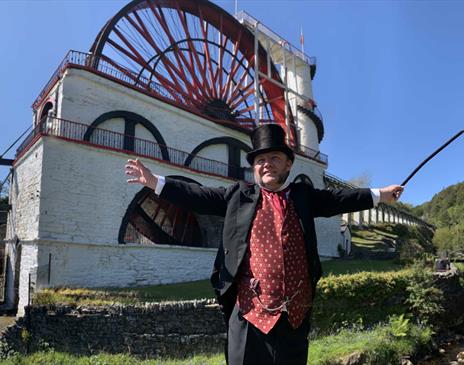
267 138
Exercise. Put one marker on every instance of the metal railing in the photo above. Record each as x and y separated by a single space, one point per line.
313 154
339 182
87 134
243 16
88 60
317 112
101 65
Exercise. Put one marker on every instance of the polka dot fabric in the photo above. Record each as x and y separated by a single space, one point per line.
275 266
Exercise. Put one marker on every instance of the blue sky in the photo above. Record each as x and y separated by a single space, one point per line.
389 81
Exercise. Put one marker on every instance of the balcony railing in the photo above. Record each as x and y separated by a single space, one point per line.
87 60
101 66
84 133
243 16
313 154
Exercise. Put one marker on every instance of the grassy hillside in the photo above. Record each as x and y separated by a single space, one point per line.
409 242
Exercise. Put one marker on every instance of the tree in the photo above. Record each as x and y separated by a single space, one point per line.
362 181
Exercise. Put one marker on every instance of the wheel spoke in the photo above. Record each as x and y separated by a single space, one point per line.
193 52
204 29
234 67
198 53
170 67
238 87
244 96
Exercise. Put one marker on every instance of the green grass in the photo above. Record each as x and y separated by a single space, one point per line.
138 295
460 266
60 358
379 346
340 267
372 238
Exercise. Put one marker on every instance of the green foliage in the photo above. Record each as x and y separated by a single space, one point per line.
446 212
365 297
59 358
340 267
447 207
400 326
450 238
378 346
424 299
25 335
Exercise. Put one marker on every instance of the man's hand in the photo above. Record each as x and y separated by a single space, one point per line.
390 193
140 174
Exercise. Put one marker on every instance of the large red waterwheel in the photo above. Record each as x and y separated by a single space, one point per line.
198 56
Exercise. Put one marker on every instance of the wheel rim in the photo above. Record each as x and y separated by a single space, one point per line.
197 54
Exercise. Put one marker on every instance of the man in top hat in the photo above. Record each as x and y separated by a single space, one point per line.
267 266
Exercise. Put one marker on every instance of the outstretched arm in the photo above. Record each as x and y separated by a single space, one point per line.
327 203
201 199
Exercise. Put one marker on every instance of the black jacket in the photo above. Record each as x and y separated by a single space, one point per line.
237 204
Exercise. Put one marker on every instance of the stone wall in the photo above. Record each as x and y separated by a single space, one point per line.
156 330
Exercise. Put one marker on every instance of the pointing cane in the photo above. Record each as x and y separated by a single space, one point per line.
430 157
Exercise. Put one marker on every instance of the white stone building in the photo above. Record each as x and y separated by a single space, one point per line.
175 85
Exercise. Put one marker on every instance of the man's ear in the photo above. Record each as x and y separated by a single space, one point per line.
289 164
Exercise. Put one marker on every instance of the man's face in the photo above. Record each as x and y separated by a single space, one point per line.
271 169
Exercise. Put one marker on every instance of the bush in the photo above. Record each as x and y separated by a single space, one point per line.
365 297
424 299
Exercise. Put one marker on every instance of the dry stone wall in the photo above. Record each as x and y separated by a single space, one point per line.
177 329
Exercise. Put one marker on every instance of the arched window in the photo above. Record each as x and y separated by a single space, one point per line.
234 150
44 113
156 149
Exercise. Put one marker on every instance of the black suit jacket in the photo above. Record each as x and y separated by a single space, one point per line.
237 204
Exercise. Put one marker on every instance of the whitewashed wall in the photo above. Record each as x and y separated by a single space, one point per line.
87 96
85 194
29 263
25 194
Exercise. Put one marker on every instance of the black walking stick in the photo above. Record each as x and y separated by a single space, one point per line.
430 157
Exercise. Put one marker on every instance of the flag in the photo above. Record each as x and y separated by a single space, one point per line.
302 40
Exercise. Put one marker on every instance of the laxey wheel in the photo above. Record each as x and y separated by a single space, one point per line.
196 55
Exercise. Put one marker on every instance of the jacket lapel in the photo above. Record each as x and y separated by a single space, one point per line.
299 204
249 197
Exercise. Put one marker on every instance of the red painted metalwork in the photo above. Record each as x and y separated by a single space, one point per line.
201 55
112 71
162 223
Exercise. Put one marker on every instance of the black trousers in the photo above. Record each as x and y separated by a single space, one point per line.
283 345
